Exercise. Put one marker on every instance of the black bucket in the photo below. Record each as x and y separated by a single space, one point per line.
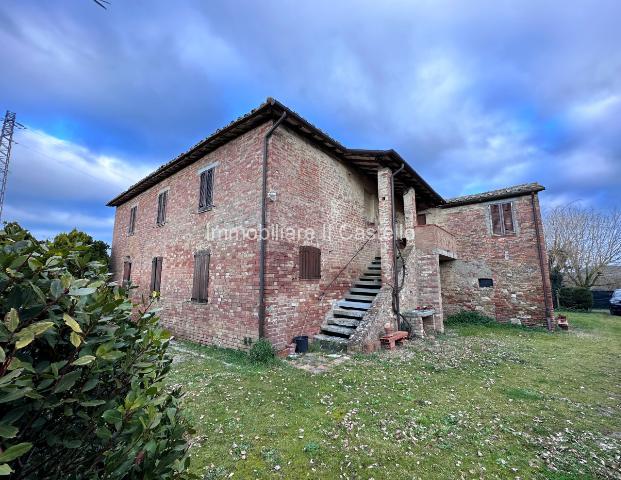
301 344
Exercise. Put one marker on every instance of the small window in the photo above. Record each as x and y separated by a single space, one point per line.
156 274
132 220
200 282
161 207
310 263
205 195
486 283
127 272
421 219
502 219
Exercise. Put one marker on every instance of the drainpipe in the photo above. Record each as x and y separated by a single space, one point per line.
262 230
541 262
395 273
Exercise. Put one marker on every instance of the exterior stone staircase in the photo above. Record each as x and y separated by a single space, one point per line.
347 313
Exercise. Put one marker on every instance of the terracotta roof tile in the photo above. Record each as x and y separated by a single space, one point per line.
515 191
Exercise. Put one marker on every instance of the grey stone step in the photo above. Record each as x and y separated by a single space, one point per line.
329 342
357 291
359 298
368 283
343 322
372 273
340 330
356 305
348 313
374 267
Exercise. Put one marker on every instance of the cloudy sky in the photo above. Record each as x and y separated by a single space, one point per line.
475 95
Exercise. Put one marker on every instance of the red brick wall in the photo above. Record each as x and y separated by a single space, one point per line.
511 261
231 313
317 191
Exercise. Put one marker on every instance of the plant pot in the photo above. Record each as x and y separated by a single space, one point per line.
301 343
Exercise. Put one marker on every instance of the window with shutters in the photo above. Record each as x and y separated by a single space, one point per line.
310 263
205 194
200 282
502 219
132 220
127 272
421 219
162 199
156 274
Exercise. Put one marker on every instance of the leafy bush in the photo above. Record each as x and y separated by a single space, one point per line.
81 383
95 250
576 298
468 317
262 352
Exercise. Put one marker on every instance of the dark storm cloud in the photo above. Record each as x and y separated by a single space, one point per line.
476 95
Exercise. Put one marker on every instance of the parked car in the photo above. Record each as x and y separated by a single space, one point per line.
615 303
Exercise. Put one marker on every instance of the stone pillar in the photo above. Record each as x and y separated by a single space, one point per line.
385 224
409 209
408 299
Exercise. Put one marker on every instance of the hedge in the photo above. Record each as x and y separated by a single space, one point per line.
82 390
576 298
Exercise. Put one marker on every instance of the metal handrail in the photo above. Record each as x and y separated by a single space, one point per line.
325 290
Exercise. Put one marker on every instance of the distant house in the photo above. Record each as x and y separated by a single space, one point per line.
344 250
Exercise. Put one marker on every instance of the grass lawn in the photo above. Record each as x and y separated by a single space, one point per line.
480 402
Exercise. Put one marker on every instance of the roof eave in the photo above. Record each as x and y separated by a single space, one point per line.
270 109
500 196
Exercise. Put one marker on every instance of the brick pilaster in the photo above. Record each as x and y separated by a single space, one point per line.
385 224
409 209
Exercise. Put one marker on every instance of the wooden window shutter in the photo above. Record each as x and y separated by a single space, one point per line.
156 274
200 282
205 199
127 272
161 207
421 219
310 263
132 220
507 215
497 226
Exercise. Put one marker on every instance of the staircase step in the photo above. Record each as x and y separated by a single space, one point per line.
343 322
341 312
358 291
372 275
355 305
368 283
346 331
330 342
374 266
359 298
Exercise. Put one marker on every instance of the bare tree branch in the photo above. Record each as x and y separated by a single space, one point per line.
581 242
102 3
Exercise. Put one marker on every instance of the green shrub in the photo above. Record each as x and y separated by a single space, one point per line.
262 352
82 389
576 298
95 250
468 317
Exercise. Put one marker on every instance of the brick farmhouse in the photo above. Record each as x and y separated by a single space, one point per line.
271 228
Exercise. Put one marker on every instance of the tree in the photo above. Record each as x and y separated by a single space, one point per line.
582 241
97 249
